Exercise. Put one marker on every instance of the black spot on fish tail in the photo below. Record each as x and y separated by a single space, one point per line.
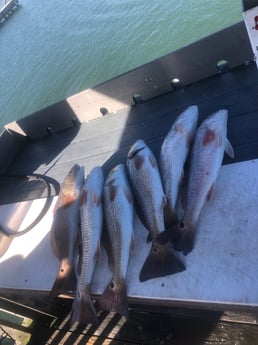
65 282
160 262
83 309
185 242
114 298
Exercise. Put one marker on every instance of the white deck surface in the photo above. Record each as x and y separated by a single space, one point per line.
223 267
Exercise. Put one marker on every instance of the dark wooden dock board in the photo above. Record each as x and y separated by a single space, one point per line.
172 327
105 141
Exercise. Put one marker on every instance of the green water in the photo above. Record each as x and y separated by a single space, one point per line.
52 49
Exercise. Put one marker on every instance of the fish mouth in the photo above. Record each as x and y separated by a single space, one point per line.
73 172
133 153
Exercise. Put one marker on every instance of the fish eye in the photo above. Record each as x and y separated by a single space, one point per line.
112 285
155 250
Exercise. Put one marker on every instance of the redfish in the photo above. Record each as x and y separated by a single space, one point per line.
65 231
147 187
208 150
91 212
173 154
119 218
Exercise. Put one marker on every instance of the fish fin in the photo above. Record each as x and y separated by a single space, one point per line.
171 234
210 192
83 309
153 161
65 282
185 242
160 262
114 298
218 140
229 149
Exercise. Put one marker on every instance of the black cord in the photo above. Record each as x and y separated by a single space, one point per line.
37 177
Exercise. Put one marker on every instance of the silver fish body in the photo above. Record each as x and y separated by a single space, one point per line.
206 159
65 230
119 219
146 182
91 215
173 154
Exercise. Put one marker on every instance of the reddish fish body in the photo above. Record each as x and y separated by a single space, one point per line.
207 155
145 179
119 217
65 231
91 212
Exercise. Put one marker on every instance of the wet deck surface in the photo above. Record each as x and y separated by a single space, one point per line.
105 141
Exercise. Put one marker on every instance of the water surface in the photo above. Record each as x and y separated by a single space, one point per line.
50 50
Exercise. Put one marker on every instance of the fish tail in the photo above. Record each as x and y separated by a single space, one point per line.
160 262
185 242
171 234
65 282
114 298
181 235
83 309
